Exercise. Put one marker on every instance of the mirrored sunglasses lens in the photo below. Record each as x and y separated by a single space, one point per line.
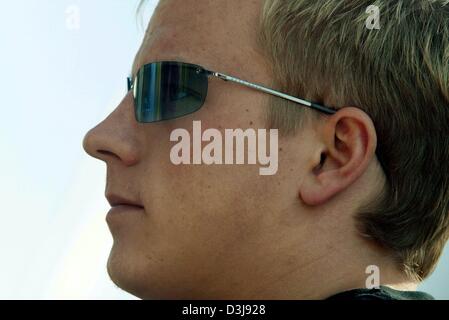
168 90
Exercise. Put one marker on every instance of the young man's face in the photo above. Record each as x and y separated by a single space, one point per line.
203 231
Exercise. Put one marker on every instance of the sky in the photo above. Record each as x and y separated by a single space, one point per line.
64 66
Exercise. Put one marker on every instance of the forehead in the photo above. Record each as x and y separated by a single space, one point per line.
213 33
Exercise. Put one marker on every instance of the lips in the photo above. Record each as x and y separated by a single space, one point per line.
116 200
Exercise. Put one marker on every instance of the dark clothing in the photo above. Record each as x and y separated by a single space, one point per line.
383 293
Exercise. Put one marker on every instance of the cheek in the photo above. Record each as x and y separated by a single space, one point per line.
205 210
194 204
198 202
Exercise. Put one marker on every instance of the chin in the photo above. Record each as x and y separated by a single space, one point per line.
148 279
141 276
125 273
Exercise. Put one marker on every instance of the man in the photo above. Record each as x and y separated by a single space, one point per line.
361 194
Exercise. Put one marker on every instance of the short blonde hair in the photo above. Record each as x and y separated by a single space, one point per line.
399 75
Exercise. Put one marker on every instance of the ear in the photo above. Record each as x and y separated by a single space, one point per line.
346 146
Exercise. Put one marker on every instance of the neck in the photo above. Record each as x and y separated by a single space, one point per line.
335 270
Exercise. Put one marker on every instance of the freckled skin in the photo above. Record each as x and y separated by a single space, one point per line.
208 232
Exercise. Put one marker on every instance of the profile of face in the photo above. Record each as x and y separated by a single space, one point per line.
221 231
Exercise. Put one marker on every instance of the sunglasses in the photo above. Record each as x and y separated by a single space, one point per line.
167 90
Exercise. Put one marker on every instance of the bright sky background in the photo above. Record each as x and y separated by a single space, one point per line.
57 81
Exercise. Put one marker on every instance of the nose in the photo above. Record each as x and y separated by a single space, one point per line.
116 137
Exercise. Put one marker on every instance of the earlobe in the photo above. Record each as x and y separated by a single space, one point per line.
348 145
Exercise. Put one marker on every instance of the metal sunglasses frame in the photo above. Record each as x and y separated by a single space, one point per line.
222 76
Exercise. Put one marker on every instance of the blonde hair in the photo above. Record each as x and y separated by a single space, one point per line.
399 75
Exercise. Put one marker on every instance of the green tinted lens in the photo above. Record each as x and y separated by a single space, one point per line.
168 90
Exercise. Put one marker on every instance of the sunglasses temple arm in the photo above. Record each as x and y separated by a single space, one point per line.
306 103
